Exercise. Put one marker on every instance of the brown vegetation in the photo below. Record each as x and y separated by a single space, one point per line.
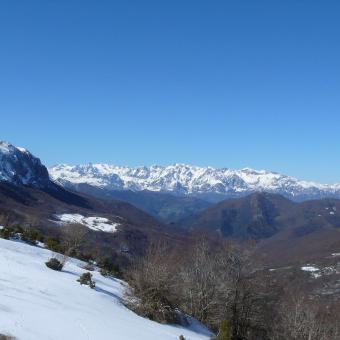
215 280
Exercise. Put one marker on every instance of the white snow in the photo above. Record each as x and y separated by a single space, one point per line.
92 222
5 147
37 303
21 149
315 272
336 254
309 269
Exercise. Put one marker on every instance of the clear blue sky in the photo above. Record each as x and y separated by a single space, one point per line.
220 83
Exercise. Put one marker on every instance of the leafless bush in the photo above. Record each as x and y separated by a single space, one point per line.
217 283
305 317
73 238
209 279
214 280
153 284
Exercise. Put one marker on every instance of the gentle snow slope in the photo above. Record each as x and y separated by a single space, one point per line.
37 303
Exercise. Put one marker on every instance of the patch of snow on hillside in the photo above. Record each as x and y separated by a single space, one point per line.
93 222
21 149
313 270
5 147
38 303
309 269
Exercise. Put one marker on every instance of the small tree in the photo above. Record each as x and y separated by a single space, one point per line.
73 235
152 282
224 333
86 279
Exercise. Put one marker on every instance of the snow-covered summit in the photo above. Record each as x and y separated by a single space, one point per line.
182 179
19 166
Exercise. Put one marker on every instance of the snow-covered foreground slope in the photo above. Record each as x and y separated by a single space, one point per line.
184 179
37 303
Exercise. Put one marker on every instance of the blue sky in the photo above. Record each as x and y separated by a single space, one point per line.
220 83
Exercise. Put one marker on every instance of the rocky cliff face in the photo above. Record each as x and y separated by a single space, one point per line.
18 166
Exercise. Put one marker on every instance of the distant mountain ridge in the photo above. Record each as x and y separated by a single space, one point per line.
285 231
262 215
180 179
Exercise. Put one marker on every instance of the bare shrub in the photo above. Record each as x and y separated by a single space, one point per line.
73 237
305 317
209 279
217 283
153 282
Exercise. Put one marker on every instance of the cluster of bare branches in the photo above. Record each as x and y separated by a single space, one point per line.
301 316
153 284
209 279
73 236
214 280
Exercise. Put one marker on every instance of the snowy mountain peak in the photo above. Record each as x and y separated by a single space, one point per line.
183 179
18 166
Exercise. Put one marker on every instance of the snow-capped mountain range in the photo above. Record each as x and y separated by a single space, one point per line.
181 179
20 167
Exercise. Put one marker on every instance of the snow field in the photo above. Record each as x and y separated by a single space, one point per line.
37 303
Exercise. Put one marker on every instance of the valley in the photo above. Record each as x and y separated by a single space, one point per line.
281 239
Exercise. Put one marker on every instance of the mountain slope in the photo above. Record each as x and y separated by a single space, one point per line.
46 211
29 198
285 231
256 216
262 215
40 303
164 206
208 183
